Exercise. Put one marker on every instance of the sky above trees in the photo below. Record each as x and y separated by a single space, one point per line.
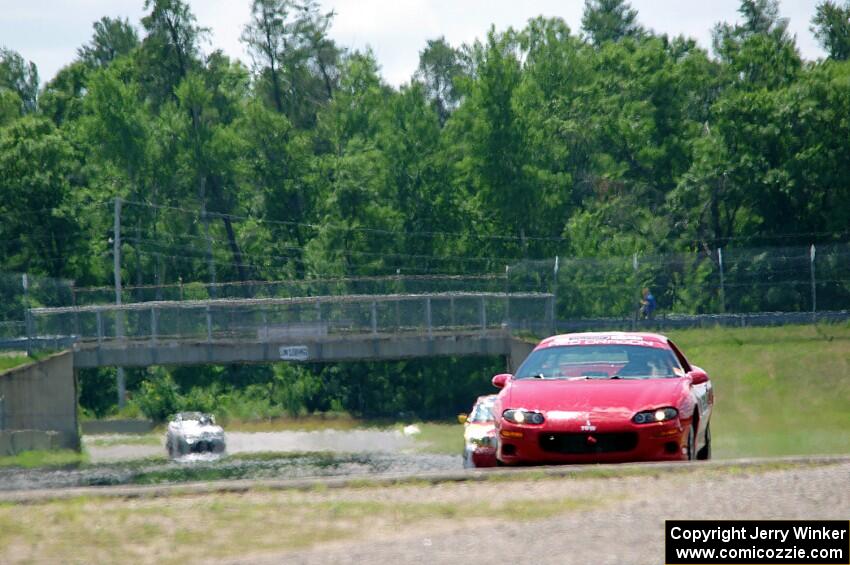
48 32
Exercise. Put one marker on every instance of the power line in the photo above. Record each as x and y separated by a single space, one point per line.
347 252
379 231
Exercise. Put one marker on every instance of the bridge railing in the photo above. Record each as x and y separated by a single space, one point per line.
274 319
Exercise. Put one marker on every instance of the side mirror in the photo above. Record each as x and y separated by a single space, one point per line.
698 376
499 381
462 418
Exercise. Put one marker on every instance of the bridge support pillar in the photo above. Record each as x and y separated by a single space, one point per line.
518 351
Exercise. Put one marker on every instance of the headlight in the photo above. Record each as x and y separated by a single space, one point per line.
485 441
660 415
520 416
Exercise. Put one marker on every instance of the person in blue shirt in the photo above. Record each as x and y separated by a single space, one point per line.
647 305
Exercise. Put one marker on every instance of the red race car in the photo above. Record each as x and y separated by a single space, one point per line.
604 397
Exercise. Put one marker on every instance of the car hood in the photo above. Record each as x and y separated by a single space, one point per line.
594 396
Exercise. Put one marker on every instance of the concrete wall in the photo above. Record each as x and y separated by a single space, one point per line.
330 350
40 397
519 350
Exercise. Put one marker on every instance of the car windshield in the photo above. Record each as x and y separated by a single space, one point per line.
609 361
482 412
203 419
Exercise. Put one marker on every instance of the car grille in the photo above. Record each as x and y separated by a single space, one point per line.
584 442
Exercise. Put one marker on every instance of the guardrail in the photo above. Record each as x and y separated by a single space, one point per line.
269 319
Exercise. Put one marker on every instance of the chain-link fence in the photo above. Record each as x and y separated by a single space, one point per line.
706 287
267 319
20 291
716 281
408 284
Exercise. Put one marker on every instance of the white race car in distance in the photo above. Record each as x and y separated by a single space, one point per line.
193 432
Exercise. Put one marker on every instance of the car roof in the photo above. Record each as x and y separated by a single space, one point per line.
600 338
192 415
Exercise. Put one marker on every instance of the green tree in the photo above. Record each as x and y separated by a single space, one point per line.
20 77
169 51
759 50
609 20
39 228
831 26
296 61
113 38
439 70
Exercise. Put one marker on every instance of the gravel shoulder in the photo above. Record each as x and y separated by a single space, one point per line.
625 526
609 514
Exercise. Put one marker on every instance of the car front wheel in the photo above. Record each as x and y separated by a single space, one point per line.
704 454
691 443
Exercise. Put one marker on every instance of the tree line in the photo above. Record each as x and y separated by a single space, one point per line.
303 162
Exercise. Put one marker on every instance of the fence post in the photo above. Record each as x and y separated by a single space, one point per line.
153 324
814 288
209 323
99 317
508 296
76 314
428 316
27 313
554 300
374 317
722 284
636 317
483 315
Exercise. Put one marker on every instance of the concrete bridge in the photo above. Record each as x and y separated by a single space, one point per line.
297 329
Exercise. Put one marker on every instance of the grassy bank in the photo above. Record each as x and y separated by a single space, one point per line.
12 361
779 391
37 459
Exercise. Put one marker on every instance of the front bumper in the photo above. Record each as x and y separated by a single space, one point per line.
205 445
610 442
484 457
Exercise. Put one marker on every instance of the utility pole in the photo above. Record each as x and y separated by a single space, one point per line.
814 290
722 285
119 316
206 221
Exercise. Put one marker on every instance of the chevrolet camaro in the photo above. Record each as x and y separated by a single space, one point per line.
604 397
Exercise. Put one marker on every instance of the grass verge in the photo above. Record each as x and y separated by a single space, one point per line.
199 529
778 391
12 361
33 459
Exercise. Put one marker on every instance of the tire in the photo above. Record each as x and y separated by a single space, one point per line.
704 454
691 443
